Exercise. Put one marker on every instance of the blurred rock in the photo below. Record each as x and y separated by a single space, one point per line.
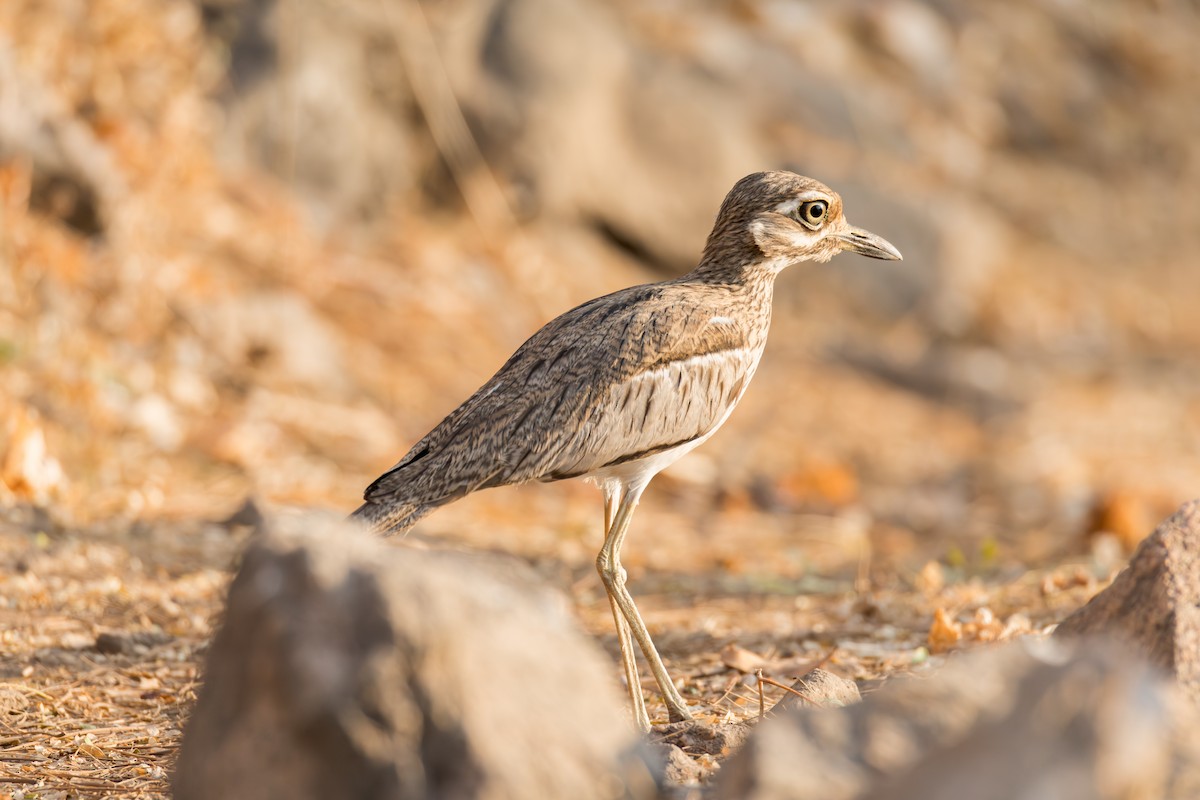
278 335
594 126
680 770
820 689
914 34
318 97
1033 719
346 668
1154 604
72 174
1094 727
1185 750
130 642
697 736
978 380
247 515
586 125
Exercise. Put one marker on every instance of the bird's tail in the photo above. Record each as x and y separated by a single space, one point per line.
390 518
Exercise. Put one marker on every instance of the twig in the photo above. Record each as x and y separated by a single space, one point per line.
762 679
820 662
733 682
22 739
111 729
746 699
762 707
29 690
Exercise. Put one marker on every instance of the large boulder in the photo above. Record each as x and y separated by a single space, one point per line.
581 123
1154 604
348 668
1032 719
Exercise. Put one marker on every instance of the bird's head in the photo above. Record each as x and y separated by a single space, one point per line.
780 218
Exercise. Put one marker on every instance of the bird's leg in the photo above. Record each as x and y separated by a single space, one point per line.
613 574
612 496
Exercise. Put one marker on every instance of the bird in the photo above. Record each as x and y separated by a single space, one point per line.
622 386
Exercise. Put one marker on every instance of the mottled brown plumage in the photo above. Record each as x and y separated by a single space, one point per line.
621 386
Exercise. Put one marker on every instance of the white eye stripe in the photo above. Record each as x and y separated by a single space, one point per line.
788 207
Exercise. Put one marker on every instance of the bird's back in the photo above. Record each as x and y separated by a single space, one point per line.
618 379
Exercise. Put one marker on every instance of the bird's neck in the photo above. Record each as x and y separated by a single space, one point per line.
744 293
752 275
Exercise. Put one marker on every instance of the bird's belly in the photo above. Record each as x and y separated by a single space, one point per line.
641 470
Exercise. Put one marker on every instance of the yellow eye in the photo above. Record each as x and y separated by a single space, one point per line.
813 213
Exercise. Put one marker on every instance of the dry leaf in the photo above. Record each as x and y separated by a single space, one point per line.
1066 578
741 659
944 633
91 750
1124 513
26 468
984 627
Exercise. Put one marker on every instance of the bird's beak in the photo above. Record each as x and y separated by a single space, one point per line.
868 244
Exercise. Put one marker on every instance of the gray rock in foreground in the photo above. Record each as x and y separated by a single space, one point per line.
349 668
821 689
1154 604
1028 720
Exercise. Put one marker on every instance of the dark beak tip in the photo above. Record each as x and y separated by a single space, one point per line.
870 245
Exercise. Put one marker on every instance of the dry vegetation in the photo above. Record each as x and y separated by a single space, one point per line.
101 640
176 335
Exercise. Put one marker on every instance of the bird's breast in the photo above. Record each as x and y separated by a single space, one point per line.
690 394
668 408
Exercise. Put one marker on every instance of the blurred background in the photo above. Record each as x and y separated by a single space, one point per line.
256 248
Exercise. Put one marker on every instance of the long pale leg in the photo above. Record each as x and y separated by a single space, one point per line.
612 496
613 574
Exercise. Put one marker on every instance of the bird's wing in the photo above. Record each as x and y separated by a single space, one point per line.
617 378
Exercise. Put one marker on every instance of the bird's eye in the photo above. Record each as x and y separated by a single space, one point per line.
813 213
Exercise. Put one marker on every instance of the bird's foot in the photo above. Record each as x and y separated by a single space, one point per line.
677 713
